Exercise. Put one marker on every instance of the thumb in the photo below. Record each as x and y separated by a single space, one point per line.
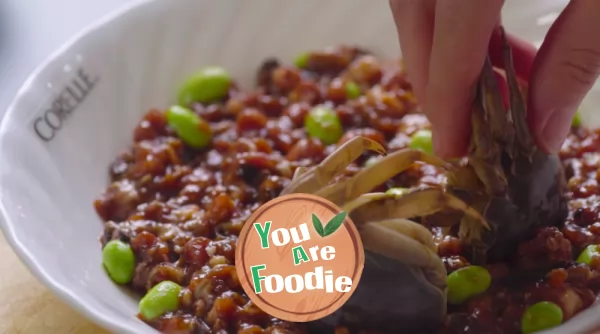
565 69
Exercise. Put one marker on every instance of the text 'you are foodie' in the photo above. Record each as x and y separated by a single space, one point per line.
299 257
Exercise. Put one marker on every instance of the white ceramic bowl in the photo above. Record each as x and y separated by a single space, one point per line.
134 60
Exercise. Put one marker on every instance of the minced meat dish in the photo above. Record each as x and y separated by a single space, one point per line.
181 193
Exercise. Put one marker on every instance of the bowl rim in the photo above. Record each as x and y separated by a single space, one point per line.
6 223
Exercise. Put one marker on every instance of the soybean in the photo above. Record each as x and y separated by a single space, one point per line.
421 140
324 124
161 299
191 128
576 122
352 90
207 85
466 283
372 160
119 261
397 191
302 60
541 316
588 254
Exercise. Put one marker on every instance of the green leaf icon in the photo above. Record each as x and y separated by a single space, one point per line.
334 224
317 224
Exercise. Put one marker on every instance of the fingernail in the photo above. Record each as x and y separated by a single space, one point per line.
555 131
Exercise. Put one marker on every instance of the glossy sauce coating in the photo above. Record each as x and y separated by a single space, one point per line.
181 208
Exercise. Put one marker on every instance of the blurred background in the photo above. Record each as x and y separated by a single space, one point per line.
32 29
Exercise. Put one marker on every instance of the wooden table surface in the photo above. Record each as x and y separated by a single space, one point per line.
29 307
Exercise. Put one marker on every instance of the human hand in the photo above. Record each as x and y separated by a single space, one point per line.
445 43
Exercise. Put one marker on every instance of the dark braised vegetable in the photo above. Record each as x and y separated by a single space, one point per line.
486 243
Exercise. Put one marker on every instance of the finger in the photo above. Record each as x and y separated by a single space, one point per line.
414 23
565 69
460 44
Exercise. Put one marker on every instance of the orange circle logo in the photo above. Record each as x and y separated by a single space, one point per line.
299 257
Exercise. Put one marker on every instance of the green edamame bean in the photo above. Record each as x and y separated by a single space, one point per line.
466 283
576 119
324 124
161 299
588 253
352 90
207 85
191 128
421 140
541 316
119 261
372 160
302 60
397 191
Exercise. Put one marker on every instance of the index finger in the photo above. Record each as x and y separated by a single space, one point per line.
414 24
460 45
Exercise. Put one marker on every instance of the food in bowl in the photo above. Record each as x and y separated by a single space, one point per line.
196 171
